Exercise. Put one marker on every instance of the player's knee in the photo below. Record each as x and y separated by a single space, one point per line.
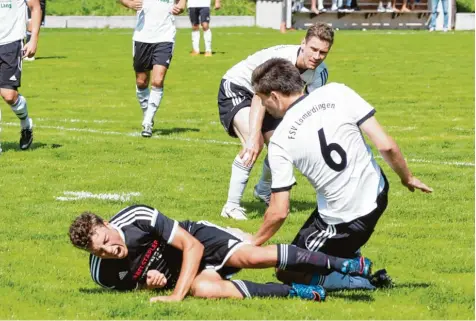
205 26
195 27
202 289
10 96
158 82
142 83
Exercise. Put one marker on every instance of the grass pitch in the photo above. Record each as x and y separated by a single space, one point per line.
81 95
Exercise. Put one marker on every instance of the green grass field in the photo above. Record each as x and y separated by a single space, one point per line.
81 96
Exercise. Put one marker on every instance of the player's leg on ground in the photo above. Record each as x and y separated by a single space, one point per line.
19 106
262 190
239 172
155 97
207 36
195 39
293 258
208 284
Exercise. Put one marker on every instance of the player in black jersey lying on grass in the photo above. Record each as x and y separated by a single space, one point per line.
142 248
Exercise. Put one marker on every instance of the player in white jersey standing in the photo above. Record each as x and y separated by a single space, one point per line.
242 115
12 32
199 13
321 135
153 46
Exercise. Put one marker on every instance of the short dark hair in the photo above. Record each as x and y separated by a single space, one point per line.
277 74
322 31
82 229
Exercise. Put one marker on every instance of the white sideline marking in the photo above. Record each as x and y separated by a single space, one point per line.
160 121
212 141
74 196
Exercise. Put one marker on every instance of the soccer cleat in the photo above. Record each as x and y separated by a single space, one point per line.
195 53
208 54
147 130
381 279
308 292
432 29
445 29
360 266
26 137
236 213
262 197
334 7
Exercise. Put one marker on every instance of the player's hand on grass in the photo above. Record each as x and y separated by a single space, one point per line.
178 8
30 49
414 183
135 5
166 298
155 279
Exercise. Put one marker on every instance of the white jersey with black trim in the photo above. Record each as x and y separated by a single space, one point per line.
155 22
12 20
320 136
199 3
240 74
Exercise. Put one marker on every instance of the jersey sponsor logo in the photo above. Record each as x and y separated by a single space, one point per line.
315 108
145 260
6 4
122 275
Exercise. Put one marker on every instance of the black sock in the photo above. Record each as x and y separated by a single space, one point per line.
251 290
293 258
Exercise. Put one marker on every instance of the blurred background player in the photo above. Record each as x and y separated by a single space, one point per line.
243 116
29 27
153 45
199 13
12 33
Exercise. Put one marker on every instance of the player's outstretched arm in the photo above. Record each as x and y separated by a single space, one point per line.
391 153
30 48
192 251
251 151
274 217
132 4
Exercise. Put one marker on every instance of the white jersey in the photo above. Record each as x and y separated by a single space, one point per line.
320 136
240 74
12 20
155 22
199 3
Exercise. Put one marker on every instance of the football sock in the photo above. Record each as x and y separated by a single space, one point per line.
250 289
207 35
196 41
154 102
264 184
338 281
143 98
239 178
293 258
20 109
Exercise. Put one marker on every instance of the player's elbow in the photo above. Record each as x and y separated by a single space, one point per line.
387 146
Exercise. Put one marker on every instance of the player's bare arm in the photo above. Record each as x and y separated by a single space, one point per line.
253 148
192 251
217 4
30 47
274 217
132 4
391 153
179 7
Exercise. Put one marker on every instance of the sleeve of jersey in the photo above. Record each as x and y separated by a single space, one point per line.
282 170
109 275
165 227
356 107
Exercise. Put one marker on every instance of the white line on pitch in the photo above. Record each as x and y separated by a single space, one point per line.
213 141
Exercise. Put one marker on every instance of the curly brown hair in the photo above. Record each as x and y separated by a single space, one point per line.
322 31
82 229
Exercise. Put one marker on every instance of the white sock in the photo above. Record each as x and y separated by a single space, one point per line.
20 109
154 102
264 185
207 35
143 98
239 178
320 4
196 40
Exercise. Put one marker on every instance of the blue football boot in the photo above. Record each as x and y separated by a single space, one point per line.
308 292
